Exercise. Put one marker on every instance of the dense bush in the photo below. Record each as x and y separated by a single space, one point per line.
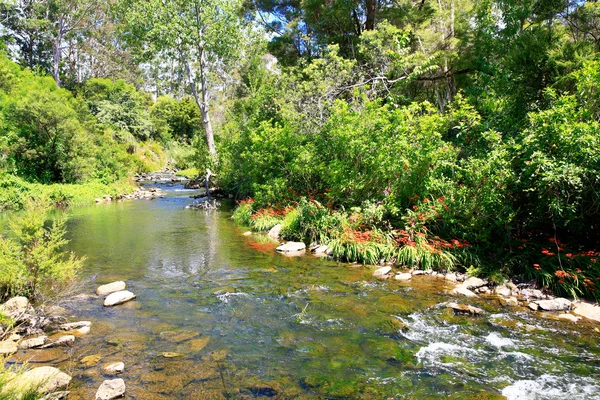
32 262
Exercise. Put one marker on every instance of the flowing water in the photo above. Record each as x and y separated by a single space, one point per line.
245 322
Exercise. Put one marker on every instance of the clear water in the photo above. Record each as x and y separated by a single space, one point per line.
250 323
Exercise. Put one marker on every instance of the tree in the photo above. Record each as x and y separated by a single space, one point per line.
200 34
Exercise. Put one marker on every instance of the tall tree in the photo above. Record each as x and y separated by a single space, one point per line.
198 33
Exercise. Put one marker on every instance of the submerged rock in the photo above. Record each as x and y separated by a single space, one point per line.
464 309
111 288
171 354
111 389
113 368
92 360
116 298
558 304
568 317
291 247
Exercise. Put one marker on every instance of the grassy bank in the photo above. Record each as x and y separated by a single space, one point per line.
366 235
15 191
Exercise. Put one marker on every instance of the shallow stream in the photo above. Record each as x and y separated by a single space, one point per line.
245 322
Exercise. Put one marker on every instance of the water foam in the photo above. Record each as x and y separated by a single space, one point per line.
552 387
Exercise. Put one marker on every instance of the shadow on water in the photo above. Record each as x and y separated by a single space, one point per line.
220 315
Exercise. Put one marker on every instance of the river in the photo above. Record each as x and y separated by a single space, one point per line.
241 321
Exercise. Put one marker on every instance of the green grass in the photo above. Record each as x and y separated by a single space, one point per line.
15 191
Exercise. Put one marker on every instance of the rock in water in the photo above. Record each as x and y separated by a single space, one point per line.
275 231
379 272
44 379
568 317
463 292
464 309
111 389
61 341
33 342
473 283
8 347
75 325
116 298
406 276
558 304
502 290
292 247
587 310
113 368
111 288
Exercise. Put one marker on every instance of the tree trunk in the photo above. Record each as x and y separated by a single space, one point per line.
371 10
202 101
56 57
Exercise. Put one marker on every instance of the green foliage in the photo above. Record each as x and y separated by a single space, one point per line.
242 215
10 379
176 119
32 262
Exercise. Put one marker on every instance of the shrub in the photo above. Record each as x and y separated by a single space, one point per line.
32 262
242 215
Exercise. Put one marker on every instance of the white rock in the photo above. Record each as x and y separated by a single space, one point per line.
291 247
116 298
509 302
534 306
110 288
113 368
382 271
44 379
451 276
247 233
75 325
61 341
111 389
16 305
275 231
403 276
463 292
464 309
502 290
419 272
473 282
33 342
558 304
587 310
321 250
8 347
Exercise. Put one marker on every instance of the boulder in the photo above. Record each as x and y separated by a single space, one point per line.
502 290
403 276
33 342
321 250
419 272
463 292
275 231
65 340
509 302
111 288
247 233
473 282
464 309
8 347
587 310
558 304
16 305
379 272
45 379
111 389
534 306
116 298
113 368
450 276
292 247
75 325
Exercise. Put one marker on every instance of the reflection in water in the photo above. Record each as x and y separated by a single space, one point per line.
239 321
